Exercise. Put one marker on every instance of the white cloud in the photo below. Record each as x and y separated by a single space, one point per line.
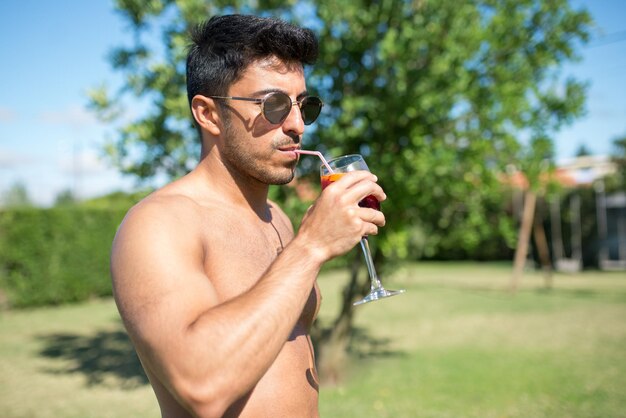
83 163
10 159
7 115
73 115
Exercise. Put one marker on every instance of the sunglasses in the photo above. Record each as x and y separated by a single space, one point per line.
276 106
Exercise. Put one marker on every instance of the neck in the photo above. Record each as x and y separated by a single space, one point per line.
231 185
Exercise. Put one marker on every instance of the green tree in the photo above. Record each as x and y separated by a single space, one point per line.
583 151
65 198
118 199
439 95
16 196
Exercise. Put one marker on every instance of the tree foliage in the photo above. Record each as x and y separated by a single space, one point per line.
16 196
440 96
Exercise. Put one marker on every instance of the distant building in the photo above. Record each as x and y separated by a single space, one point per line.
573 172
585 170
608 247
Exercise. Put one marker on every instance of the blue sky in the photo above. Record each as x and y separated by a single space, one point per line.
53 52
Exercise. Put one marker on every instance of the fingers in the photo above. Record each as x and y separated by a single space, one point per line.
351 189
370 220
335 222
371 216
356 185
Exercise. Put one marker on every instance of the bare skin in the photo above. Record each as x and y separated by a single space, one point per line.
216 292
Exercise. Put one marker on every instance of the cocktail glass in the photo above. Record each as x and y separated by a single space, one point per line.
332 171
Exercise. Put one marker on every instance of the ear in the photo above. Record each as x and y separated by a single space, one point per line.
205 113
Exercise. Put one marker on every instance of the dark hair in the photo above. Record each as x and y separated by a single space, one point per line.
224 46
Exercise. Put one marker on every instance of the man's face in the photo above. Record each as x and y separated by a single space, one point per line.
250 144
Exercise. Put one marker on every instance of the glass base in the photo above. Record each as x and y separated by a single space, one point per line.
376 294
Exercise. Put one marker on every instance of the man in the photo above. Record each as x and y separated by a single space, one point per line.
216 292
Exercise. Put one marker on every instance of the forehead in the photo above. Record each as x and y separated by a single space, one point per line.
271 73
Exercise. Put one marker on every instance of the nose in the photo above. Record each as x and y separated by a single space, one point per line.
294 124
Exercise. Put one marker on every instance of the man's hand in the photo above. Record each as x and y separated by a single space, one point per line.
335 223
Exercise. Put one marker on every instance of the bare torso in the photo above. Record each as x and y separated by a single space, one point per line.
237 246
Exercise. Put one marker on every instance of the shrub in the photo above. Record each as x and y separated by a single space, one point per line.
57 255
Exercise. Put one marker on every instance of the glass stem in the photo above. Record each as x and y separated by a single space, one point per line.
370 263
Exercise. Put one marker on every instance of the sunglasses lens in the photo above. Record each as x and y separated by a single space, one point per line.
276 107
310 109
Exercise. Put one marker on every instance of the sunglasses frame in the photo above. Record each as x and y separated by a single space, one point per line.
262 101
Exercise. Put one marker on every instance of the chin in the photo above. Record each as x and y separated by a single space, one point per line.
283 180
279 178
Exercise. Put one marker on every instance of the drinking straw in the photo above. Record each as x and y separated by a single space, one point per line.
319 154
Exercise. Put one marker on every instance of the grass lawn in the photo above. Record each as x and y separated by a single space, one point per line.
455 345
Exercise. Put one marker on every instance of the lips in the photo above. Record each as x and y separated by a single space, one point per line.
289 151
289 148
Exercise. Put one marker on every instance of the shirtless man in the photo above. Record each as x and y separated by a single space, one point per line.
216 292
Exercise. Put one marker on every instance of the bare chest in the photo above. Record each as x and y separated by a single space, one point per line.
239 248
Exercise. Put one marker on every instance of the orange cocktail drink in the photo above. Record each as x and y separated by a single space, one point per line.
368 202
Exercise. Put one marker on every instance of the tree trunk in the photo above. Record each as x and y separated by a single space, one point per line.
521 251
541 241
332 345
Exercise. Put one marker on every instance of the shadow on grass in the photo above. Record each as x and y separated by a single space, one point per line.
107 357
363 345
610 295
504 292
104 358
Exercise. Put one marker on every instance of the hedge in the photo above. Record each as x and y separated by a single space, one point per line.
54 256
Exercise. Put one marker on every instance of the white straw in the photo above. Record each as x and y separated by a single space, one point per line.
319 154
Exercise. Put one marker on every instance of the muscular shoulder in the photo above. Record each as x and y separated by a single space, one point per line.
161 212
156 248
158 227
